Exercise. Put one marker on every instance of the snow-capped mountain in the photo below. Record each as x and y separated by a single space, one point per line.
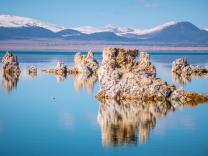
108 28
15 27
154 29
10 21
88 29
17 21
122 31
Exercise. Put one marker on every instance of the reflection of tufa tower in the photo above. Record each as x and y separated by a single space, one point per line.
120 122
85 81
9 81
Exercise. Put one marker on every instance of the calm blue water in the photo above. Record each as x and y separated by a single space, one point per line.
47 116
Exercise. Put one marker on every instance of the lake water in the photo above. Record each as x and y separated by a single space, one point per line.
47 115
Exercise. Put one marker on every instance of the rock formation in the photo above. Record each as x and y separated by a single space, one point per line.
32 71
187 98
72 71
182 72
60 69
84 64
84 71
10 64
121 76
132 97
11 71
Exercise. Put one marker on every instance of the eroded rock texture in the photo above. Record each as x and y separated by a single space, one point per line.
10 64
182 72
11 71
82 65
60 69
187 98
32 71
85 64
121 76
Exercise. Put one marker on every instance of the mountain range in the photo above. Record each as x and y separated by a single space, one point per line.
15 27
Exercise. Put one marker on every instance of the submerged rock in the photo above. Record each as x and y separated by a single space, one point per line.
182 72
85 64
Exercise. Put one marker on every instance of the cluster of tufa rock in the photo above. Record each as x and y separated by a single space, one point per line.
85 64
10 64
60 69
122 76
182 72
183 98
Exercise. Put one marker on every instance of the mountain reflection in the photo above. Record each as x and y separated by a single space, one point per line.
126 122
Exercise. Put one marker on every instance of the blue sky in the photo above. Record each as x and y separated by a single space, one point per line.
129 13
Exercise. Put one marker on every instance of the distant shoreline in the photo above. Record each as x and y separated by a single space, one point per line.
61 45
